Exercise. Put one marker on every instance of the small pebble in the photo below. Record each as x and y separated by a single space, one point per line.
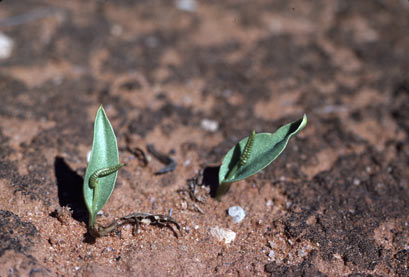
357 182
186 5
272 254
209 125
6 46
223 234
107 249
237 213
116 30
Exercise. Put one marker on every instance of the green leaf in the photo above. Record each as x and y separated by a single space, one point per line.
266 148
104 154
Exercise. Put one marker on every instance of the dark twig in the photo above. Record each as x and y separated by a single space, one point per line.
193 183
197 208
140 155
165 159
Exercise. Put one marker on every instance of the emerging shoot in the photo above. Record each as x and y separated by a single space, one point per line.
252 154
100 176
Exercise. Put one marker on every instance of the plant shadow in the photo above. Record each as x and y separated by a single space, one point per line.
70 193
211 173
211 179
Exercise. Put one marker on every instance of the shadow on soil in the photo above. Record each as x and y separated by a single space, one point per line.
69 185
211 179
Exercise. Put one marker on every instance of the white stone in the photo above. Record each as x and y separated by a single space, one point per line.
6 46
223 234
357 182
116 30
186 5
237 213
209 125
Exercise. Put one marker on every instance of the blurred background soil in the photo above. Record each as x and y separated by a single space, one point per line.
192 78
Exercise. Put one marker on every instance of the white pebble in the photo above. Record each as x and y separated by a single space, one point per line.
186 5
223 234
6 46
108 249
237 213
116 30
209 125
272 254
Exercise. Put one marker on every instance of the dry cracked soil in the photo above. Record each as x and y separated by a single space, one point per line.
192 78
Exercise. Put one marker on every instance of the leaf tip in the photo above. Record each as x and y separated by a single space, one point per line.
101 109
303 122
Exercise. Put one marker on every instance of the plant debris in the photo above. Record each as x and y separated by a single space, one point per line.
193 183
136 219
140 155
165 159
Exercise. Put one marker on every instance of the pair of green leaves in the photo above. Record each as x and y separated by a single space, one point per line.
102 167
245 159
241 162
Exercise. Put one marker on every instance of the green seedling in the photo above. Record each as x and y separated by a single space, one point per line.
100 176
253 153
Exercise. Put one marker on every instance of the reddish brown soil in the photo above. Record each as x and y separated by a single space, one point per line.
336 201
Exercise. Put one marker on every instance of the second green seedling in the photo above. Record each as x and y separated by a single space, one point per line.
253 153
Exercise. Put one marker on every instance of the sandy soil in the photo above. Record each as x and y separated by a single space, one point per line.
335 203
